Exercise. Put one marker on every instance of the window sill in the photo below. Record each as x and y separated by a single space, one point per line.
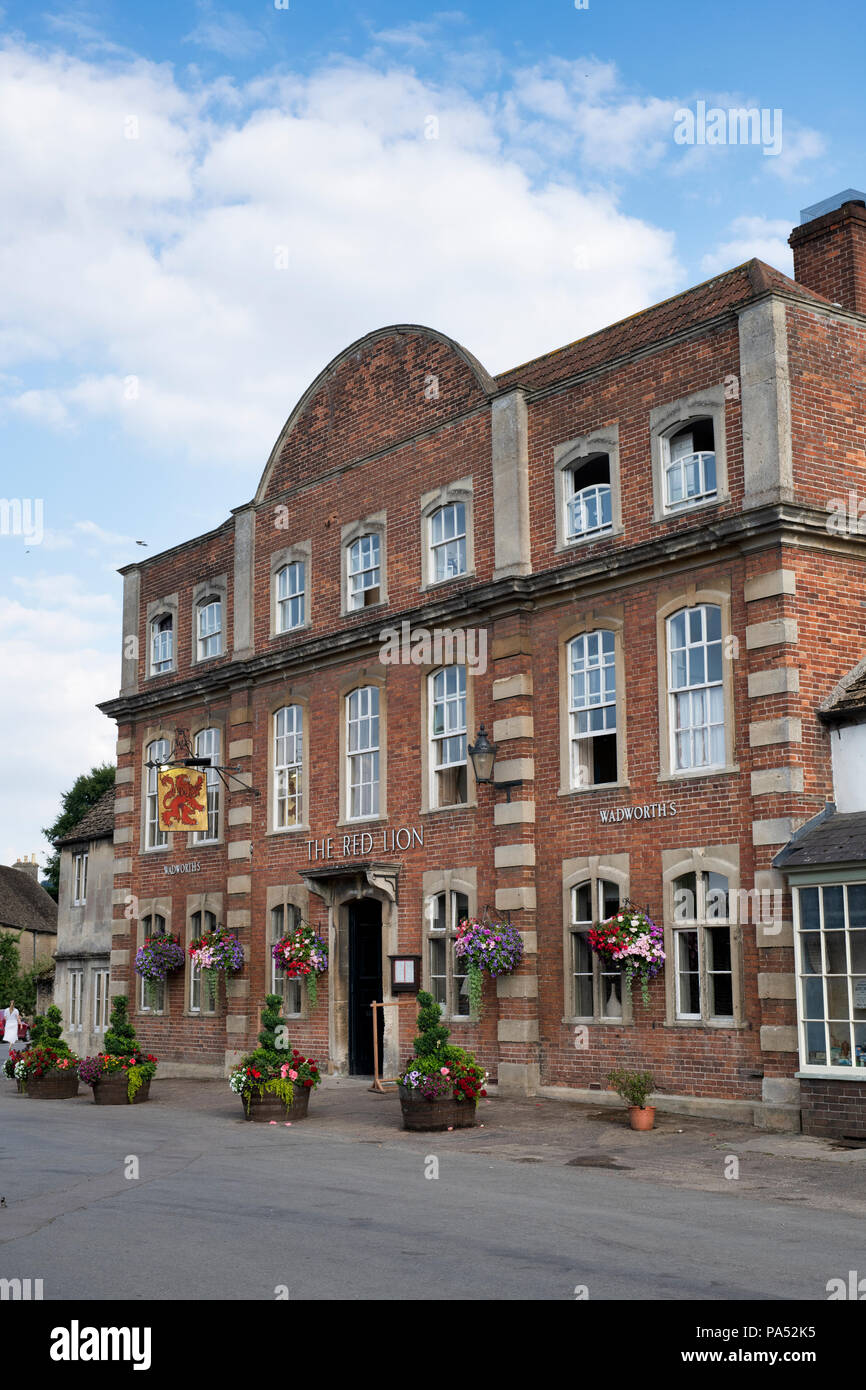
708 1025
576 542
443 810
365 822
287 830
594 787
832 1074
719 500
367 608
301 627
598 1023
156 849
442 583
699 773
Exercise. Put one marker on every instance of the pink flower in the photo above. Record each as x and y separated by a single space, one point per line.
293 1075
443 1071
272 1122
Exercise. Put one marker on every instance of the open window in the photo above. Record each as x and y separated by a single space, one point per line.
590 503
690 465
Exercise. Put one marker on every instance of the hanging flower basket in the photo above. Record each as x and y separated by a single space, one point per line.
215 953
486 946
159 957
630 939
302 952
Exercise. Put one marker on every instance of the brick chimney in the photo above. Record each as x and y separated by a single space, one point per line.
830 249
28 866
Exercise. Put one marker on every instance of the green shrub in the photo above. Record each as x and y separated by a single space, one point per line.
120 1039
633 1086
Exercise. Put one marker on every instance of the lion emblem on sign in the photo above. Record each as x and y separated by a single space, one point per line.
182 800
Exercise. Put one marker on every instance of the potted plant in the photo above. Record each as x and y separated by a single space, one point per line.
121 1074
634 1087
302 953
273 1085
216 952
630 939
158 958
440 1084
46 1068
484 946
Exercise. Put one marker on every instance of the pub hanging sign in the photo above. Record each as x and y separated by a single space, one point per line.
182 798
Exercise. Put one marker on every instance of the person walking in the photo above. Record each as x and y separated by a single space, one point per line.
10 1029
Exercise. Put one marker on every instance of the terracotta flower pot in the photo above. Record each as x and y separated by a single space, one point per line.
270 1107
112 1090
54 1085
642 1116
444 1113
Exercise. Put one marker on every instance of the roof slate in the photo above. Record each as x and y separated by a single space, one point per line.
829 838
24 903
95 824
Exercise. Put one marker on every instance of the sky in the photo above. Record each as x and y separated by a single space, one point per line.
203 203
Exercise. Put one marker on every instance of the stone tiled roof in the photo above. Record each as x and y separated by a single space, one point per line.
848 698
24 903
653 325
95 824
826 839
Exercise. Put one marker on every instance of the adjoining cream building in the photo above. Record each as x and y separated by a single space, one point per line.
83 954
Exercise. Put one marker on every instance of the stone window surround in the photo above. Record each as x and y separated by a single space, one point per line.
434 882
160 608
666 420
670 602
363 677
198 902
594 620
567 457
460 491
428 806
820 876
151 735
286 895
376 524
299 551
287 697
150 907
212 721
718 859
218 588
591 868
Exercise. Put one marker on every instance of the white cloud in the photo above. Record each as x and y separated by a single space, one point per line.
224 32
156 257
748 237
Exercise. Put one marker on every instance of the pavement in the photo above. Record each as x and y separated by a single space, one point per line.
183 1198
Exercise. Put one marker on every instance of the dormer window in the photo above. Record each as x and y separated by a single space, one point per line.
590 505
690 465
161 644
209 628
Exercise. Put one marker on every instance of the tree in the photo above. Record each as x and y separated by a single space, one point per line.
84 793
120 1039
269 1054
10 964
432 1034
47 1029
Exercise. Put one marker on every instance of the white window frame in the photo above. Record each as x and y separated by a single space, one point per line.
363 762
152 924
207 744
209 628
447 934
363 564
451 547
288 764
580 500
76 1001
154 838
280 983
665 421
597 659
851 935
603 978
674 465
201 921
101 1000
690 692
452 704
697 919
79 891
162 644
290 596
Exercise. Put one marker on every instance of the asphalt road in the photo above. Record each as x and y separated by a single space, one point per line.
226 1209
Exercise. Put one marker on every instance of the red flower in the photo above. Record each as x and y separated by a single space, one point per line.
308 1083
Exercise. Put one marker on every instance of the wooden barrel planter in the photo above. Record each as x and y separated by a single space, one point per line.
269 1107
112 1090
444 1113
54 1085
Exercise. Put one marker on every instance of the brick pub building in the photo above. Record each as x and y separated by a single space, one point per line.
628 541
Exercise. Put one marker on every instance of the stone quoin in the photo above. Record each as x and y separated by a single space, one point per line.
633 530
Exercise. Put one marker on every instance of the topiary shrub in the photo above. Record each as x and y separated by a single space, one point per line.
120 1039
46 1030
464 1078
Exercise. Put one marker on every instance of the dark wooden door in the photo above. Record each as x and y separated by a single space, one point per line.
365 984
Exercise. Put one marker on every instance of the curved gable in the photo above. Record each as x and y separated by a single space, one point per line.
384 388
